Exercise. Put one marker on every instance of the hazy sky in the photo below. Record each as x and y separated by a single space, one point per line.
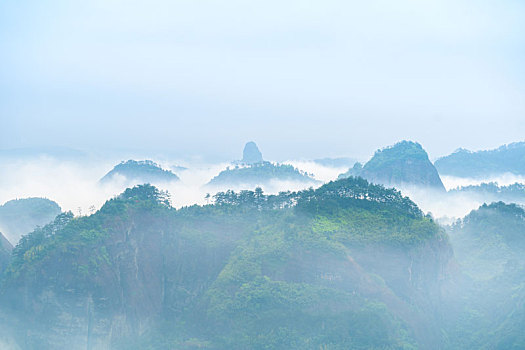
301 78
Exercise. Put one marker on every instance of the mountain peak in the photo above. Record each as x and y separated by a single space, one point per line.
404 164
251 153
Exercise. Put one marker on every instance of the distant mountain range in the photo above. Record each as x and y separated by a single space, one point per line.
492 192
464 163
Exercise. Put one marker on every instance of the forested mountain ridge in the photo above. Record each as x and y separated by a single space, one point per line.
349 265
144 171
253 171
492 192
260 174
498 224
404 164
464 163
488 310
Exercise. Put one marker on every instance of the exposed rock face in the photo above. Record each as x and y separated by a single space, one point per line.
340 162
405 164
251 154
5 252
253 171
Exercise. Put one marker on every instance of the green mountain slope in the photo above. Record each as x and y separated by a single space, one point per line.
261 173
488 311
349 265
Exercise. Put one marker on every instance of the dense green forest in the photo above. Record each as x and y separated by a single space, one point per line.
349 265
487 310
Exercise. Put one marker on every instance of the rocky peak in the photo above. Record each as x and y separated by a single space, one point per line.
404 164
251 153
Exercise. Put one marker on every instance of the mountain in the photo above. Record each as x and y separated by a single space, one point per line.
178 168
260 174
404 164
5 252
349 265
21 216
135 172
464 163
492 192
497 225
251 154
253 171
489 312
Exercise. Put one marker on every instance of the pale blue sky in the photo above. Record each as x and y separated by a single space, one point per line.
301 78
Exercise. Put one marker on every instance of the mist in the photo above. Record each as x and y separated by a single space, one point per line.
75 185
452 205
166 234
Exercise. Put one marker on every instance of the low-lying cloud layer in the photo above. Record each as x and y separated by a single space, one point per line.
452 182
75 186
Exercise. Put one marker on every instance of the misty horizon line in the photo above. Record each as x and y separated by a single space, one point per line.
72 152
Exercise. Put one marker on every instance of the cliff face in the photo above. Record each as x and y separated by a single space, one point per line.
251 154
252 171
226 275
5 252
405 164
